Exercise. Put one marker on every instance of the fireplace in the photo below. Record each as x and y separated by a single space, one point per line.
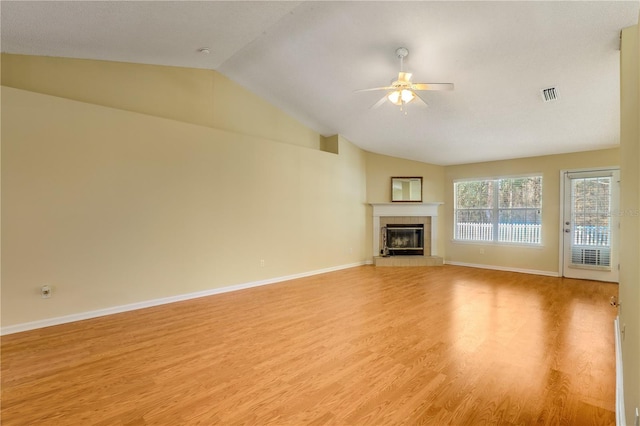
403 239
406 215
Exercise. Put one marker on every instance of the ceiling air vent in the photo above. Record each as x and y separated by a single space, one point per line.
549 94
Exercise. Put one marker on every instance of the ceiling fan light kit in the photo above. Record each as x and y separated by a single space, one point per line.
402 91
400 97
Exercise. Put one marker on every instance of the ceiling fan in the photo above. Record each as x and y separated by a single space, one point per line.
402 91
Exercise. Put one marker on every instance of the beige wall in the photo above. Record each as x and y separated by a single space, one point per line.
542 259
380 169
190 95
630 221
112 207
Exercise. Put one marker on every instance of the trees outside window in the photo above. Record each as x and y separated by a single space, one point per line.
502 210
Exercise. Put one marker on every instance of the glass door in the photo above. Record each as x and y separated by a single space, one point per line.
590 225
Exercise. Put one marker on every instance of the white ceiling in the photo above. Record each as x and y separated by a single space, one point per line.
309 57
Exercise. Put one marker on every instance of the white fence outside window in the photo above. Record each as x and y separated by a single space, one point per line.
591 235
507 232
528 233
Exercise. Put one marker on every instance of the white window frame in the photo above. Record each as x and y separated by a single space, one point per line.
495 210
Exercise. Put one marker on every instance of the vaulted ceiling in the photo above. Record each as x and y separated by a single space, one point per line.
309 58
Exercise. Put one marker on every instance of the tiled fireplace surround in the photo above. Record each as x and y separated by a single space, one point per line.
407 213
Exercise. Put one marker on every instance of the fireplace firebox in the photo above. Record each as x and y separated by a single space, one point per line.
403 240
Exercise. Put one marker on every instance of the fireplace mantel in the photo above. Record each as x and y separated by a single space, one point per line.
405 209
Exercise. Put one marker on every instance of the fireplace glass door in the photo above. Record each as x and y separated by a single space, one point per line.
404 240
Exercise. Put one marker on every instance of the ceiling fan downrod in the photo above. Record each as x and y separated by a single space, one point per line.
401 53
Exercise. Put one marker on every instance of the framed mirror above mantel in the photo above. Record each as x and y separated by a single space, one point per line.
406 189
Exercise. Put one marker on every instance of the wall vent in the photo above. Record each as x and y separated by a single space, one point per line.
549 94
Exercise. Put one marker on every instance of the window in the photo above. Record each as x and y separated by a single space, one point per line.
505 210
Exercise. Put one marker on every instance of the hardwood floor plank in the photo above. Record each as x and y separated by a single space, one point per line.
367 345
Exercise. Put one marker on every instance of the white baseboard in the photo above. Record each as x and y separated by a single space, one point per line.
17 328
621 418
503 268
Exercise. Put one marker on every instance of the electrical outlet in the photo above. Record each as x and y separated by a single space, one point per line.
45 291
261 262
481 251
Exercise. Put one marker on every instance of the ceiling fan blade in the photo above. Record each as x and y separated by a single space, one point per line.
420 100
404 76
380 102
375 88
432 86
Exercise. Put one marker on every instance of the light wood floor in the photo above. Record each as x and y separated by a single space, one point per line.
378 346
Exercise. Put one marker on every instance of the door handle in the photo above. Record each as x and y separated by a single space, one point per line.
567 230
